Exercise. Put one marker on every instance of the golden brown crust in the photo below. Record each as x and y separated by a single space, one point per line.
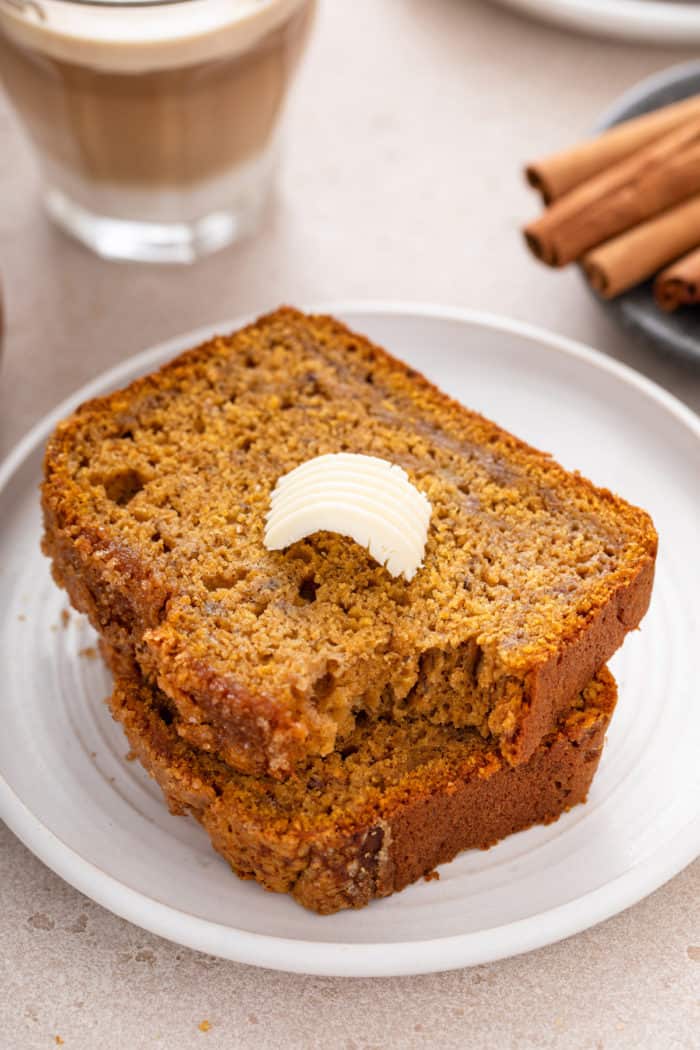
553 683
136 599
370 849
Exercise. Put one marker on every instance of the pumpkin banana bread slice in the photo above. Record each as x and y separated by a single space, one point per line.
154 504
366 822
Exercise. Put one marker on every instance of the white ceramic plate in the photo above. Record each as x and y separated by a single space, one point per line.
657 21
100 822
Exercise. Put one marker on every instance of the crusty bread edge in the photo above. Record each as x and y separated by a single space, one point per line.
551 685
100 581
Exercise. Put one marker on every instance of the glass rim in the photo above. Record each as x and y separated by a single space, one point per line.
19 5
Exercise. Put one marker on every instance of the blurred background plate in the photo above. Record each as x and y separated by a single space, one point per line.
636 309
656 21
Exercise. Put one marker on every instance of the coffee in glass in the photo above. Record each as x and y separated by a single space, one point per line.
155 124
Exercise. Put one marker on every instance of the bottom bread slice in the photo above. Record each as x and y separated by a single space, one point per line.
368 821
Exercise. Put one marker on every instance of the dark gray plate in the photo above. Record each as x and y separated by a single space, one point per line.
636 310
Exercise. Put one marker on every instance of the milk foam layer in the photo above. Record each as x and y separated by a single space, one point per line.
136 39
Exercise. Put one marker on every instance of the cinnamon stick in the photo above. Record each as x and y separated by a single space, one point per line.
561 172
679 284
656 177
633 257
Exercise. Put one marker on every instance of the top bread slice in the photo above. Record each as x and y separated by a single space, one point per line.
154 503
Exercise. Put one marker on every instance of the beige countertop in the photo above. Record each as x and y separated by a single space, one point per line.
401 181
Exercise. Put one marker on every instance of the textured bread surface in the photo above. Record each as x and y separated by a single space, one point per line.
154 504
366 822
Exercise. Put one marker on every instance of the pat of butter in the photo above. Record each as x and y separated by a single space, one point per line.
366 498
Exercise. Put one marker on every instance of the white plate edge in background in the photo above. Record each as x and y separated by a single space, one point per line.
654 21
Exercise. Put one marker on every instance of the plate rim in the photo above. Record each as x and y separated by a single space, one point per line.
328 958
669 22
662 78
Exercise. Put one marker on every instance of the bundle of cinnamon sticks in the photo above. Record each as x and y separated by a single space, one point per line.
626 205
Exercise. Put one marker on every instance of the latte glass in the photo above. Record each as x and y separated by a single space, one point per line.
155 124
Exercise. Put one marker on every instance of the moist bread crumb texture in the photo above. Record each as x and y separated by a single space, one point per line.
366 821
155 500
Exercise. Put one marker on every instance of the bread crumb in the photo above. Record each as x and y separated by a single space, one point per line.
89 652
204 1026
21 617
58 1040
41 921
65 617
432 875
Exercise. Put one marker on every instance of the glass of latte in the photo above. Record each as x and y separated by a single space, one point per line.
155 124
